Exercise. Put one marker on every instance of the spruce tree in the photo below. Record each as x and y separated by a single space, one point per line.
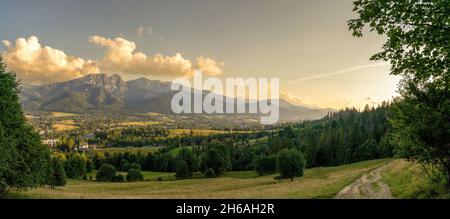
24 160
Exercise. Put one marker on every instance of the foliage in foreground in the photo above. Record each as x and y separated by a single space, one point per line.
417 47
24 160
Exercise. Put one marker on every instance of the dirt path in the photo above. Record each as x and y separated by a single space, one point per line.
369 186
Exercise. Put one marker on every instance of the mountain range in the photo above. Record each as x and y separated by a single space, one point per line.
102 93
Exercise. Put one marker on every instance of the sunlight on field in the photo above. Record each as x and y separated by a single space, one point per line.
61 114
317 183
153 114
65 125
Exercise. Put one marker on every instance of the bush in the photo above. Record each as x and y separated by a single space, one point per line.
119 178
89 165
209 173
134 175
124 165
291 163
266 165
136 166
107 172
182 170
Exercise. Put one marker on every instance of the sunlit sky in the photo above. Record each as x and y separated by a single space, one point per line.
305 43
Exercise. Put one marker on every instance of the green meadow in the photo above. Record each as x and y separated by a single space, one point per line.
321 182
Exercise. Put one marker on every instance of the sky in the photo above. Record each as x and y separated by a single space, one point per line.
304 43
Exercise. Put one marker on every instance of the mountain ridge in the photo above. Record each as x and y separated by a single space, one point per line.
110 93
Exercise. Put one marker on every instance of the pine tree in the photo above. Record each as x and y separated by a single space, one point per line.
24 160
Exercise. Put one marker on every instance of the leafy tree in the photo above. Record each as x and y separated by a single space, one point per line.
57 176
107 172
124 165
217 158
89 165
75 166
209 173
291 163
118 178
98 159
182 170
266 165
188 157
134 175
24 160
417 47
136 166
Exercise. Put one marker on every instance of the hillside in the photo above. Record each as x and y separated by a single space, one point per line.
103 93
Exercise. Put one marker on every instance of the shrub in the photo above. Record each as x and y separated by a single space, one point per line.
136 166
209 173
134 175
107 172
119 178
89 165
124 165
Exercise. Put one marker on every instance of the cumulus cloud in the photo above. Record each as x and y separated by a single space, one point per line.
120 57
35 64
209 66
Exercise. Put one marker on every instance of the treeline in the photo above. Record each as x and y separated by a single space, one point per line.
156 136
339 138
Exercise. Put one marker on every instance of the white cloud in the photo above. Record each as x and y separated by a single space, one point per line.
35 64
352 69
209 66
120 57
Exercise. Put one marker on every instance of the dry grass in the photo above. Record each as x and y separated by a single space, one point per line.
61 114
65 125
317 183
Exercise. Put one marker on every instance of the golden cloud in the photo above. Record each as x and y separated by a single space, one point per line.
35 64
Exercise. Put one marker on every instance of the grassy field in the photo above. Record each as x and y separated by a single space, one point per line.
409 180
65 125
322 182
61 114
